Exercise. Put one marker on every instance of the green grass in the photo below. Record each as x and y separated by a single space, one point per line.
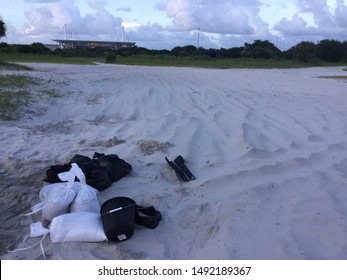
334 77
166 60
30 58
13 95
18 81
13 66
16 92
11 102
197 62
224 63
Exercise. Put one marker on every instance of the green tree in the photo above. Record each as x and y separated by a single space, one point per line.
2 28
330 50
184 51
344 44
261 49
38 48
235 52
304 52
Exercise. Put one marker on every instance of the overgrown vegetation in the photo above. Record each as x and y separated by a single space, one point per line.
13 66
17 91
325 51
260 54
2 28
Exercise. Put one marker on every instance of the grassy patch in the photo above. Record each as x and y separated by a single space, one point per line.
215 63
17 91
45 58
14 95
166 60
18 81
13 66
11 102
334 77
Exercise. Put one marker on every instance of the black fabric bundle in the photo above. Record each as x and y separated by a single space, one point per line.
100 171
148 217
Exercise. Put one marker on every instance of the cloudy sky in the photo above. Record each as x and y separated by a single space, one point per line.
164 24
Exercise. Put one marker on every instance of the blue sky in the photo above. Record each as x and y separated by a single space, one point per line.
164 24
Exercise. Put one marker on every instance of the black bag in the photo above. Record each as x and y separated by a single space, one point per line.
100 172
116 167
148 217
85 163
98 178
53 171
80 159
181 169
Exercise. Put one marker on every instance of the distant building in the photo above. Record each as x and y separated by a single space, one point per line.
110 45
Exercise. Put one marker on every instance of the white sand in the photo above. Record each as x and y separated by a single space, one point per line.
268 149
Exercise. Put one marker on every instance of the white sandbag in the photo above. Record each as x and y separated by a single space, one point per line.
48 188
77 227
58 194
59 198
57 202
86 200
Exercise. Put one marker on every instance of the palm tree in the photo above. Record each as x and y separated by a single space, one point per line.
2 28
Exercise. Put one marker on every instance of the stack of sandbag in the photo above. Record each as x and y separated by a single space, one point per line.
73 209
100 171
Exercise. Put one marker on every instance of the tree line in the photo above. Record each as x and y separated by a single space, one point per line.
325 50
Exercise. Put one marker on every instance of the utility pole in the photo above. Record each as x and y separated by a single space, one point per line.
65 31
198 37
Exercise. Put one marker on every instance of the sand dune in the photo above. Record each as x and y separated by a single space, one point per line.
268 149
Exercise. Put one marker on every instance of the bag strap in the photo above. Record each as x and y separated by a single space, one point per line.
36 229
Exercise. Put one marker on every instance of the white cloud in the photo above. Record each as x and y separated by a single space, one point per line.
319 9
296 26
223 17
50 20
97 4
222 23
341 14
328 22
155 36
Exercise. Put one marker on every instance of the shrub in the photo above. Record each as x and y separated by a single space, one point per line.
111 58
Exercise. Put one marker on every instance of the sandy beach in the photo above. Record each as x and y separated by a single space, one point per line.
268 149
